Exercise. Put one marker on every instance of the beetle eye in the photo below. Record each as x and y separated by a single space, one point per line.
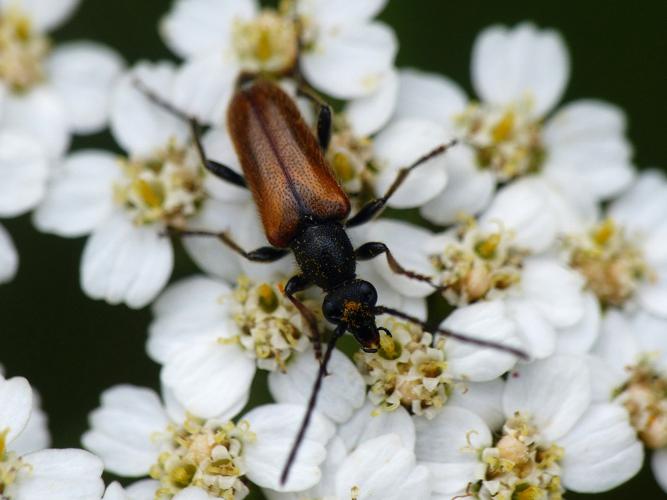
332 309
368 293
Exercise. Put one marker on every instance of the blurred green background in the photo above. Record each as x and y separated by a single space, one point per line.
71 347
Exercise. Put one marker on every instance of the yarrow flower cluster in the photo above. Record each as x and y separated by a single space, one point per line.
543 239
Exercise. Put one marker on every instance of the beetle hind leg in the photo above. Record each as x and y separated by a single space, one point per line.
221 171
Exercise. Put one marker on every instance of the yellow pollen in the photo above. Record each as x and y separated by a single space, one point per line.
604 232
342 167
389 348
487 247
268 300
502 131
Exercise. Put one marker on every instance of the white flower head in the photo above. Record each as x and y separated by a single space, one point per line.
9 259
546 444
519 75
136 436
27 470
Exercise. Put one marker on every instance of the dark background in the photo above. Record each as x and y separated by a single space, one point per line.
71 347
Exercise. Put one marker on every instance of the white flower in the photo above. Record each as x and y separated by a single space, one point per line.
145 490
580 152
371 458
632 371
136 436
211 338
128 203
9 259
28 472
344 52
552 439
488 262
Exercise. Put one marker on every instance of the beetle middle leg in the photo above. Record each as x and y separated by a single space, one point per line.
374 207
298 283
370 250
224 172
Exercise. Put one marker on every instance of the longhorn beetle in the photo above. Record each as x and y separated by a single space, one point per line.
305 211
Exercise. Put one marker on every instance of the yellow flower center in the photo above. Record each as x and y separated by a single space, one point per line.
22 52
477 265
520 466
167 187
351 159
11 467
507 139
266 44
644 395
207 454
270 327
407 370
614 267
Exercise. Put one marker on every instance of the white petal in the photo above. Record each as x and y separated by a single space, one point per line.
275 427
538 335
84 73
126 263
343 391
219 147
115 492
351 61
15 406
429 96
486 321
406 243
522 207
40 114
46 15
24 169
368 423
468 191
581 337
444 446
332 13
650 331
191 310
401 144
659 468
192 493
484 399
520 63
653 296
62 475
602 451
35 435
554 289
143 490
139 125
199 26
555 392
643 206
617 343
210 379
9 258
204 86
366 115
80 196
122 430
383 469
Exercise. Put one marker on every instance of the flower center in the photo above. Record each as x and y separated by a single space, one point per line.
11 466
351 159
407 370
477 265
645 397
22 52
520 466
507 139
613 266
207 454
268 43
270 328
167 187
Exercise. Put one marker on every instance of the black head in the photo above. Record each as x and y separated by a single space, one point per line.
353 304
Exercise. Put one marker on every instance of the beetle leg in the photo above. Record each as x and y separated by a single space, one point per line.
324 116
218 169
298 283
261 254
370 250
374 207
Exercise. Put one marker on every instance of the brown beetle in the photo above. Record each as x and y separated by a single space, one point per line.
305 211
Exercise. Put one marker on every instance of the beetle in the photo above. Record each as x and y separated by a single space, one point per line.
304 211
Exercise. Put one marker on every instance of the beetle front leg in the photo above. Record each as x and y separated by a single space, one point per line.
324 116
221 171
374 207
298 283
370 250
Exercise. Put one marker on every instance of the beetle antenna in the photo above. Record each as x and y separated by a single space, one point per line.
448 333
338 333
